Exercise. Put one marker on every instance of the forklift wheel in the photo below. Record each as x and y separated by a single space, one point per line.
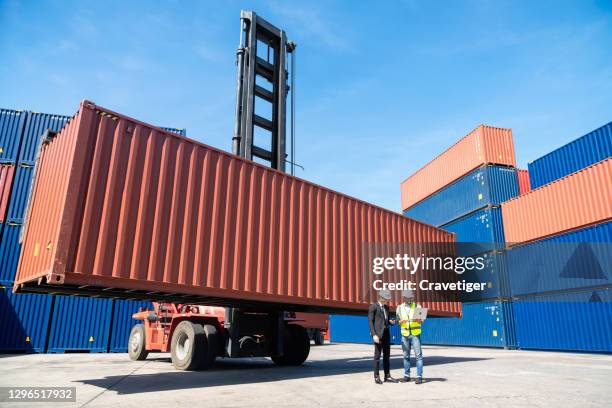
296 346
188 347
212 340
136 343
318 337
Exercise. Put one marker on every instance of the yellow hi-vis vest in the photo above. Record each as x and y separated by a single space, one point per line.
410 327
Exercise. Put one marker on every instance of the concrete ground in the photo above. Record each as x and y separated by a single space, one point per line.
335 375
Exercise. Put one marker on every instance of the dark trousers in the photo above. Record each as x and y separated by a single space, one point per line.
384 346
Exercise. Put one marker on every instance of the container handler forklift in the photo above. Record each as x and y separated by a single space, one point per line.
196 335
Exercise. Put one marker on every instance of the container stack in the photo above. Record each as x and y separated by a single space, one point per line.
40 323
466 200
560 248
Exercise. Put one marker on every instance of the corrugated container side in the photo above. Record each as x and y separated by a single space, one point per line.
9 252
20 193
578 200
481 231
577 259
488 185
483 145
572 321
12 123
36 125
356 329
494 275
578 154
80 324
483 324
133 208
523 181
7 172
122 322
24 320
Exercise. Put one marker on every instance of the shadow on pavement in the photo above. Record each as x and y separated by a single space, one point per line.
249 371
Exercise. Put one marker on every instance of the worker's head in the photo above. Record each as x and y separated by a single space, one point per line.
384 296
408 296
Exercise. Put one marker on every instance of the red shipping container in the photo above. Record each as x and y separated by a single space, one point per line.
7 171
523 181
122 208
575 201
483 145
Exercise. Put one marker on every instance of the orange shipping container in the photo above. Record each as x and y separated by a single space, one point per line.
7 172
122 208
485 144
575 201
523 181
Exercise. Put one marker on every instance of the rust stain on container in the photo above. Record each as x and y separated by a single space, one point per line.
7 171
119 205
483 145
575 201
523 181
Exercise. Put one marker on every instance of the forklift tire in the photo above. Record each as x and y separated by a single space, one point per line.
212 339
318 337
136 343
296 346
188 347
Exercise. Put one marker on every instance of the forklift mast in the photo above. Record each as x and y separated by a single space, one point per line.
261 97
260 134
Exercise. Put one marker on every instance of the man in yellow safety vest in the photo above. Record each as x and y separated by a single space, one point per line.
411 332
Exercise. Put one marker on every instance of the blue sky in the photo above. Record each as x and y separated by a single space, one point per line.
380 90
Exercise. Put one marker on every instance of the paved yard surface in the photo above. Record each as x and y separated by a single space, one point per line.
336 375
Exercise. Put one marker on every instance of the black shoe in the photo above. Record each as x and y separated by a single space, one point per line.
377 380
405 379
390 379
419 380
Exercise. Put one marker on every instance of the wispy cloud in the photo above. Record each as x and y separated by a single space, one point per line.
311 23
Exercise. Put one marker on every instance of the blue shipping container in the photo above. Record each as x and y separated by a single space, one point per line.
80 324
20 193
573 321
10 249
36 125
485 186
12 123
122 322
494 274
577 259
582 152
480 231
355 329
24 320
485 324
182 132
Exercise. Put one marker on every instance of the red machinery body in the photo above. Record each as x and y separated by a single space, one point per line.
160 322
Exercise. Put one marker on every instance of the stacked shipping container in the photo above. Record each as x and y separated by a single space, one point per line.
576 155
38 323
523 181
560 256
469 206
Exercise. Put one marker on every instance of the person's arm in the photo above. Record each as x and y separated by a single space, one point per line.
390 320
371 315
399 314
